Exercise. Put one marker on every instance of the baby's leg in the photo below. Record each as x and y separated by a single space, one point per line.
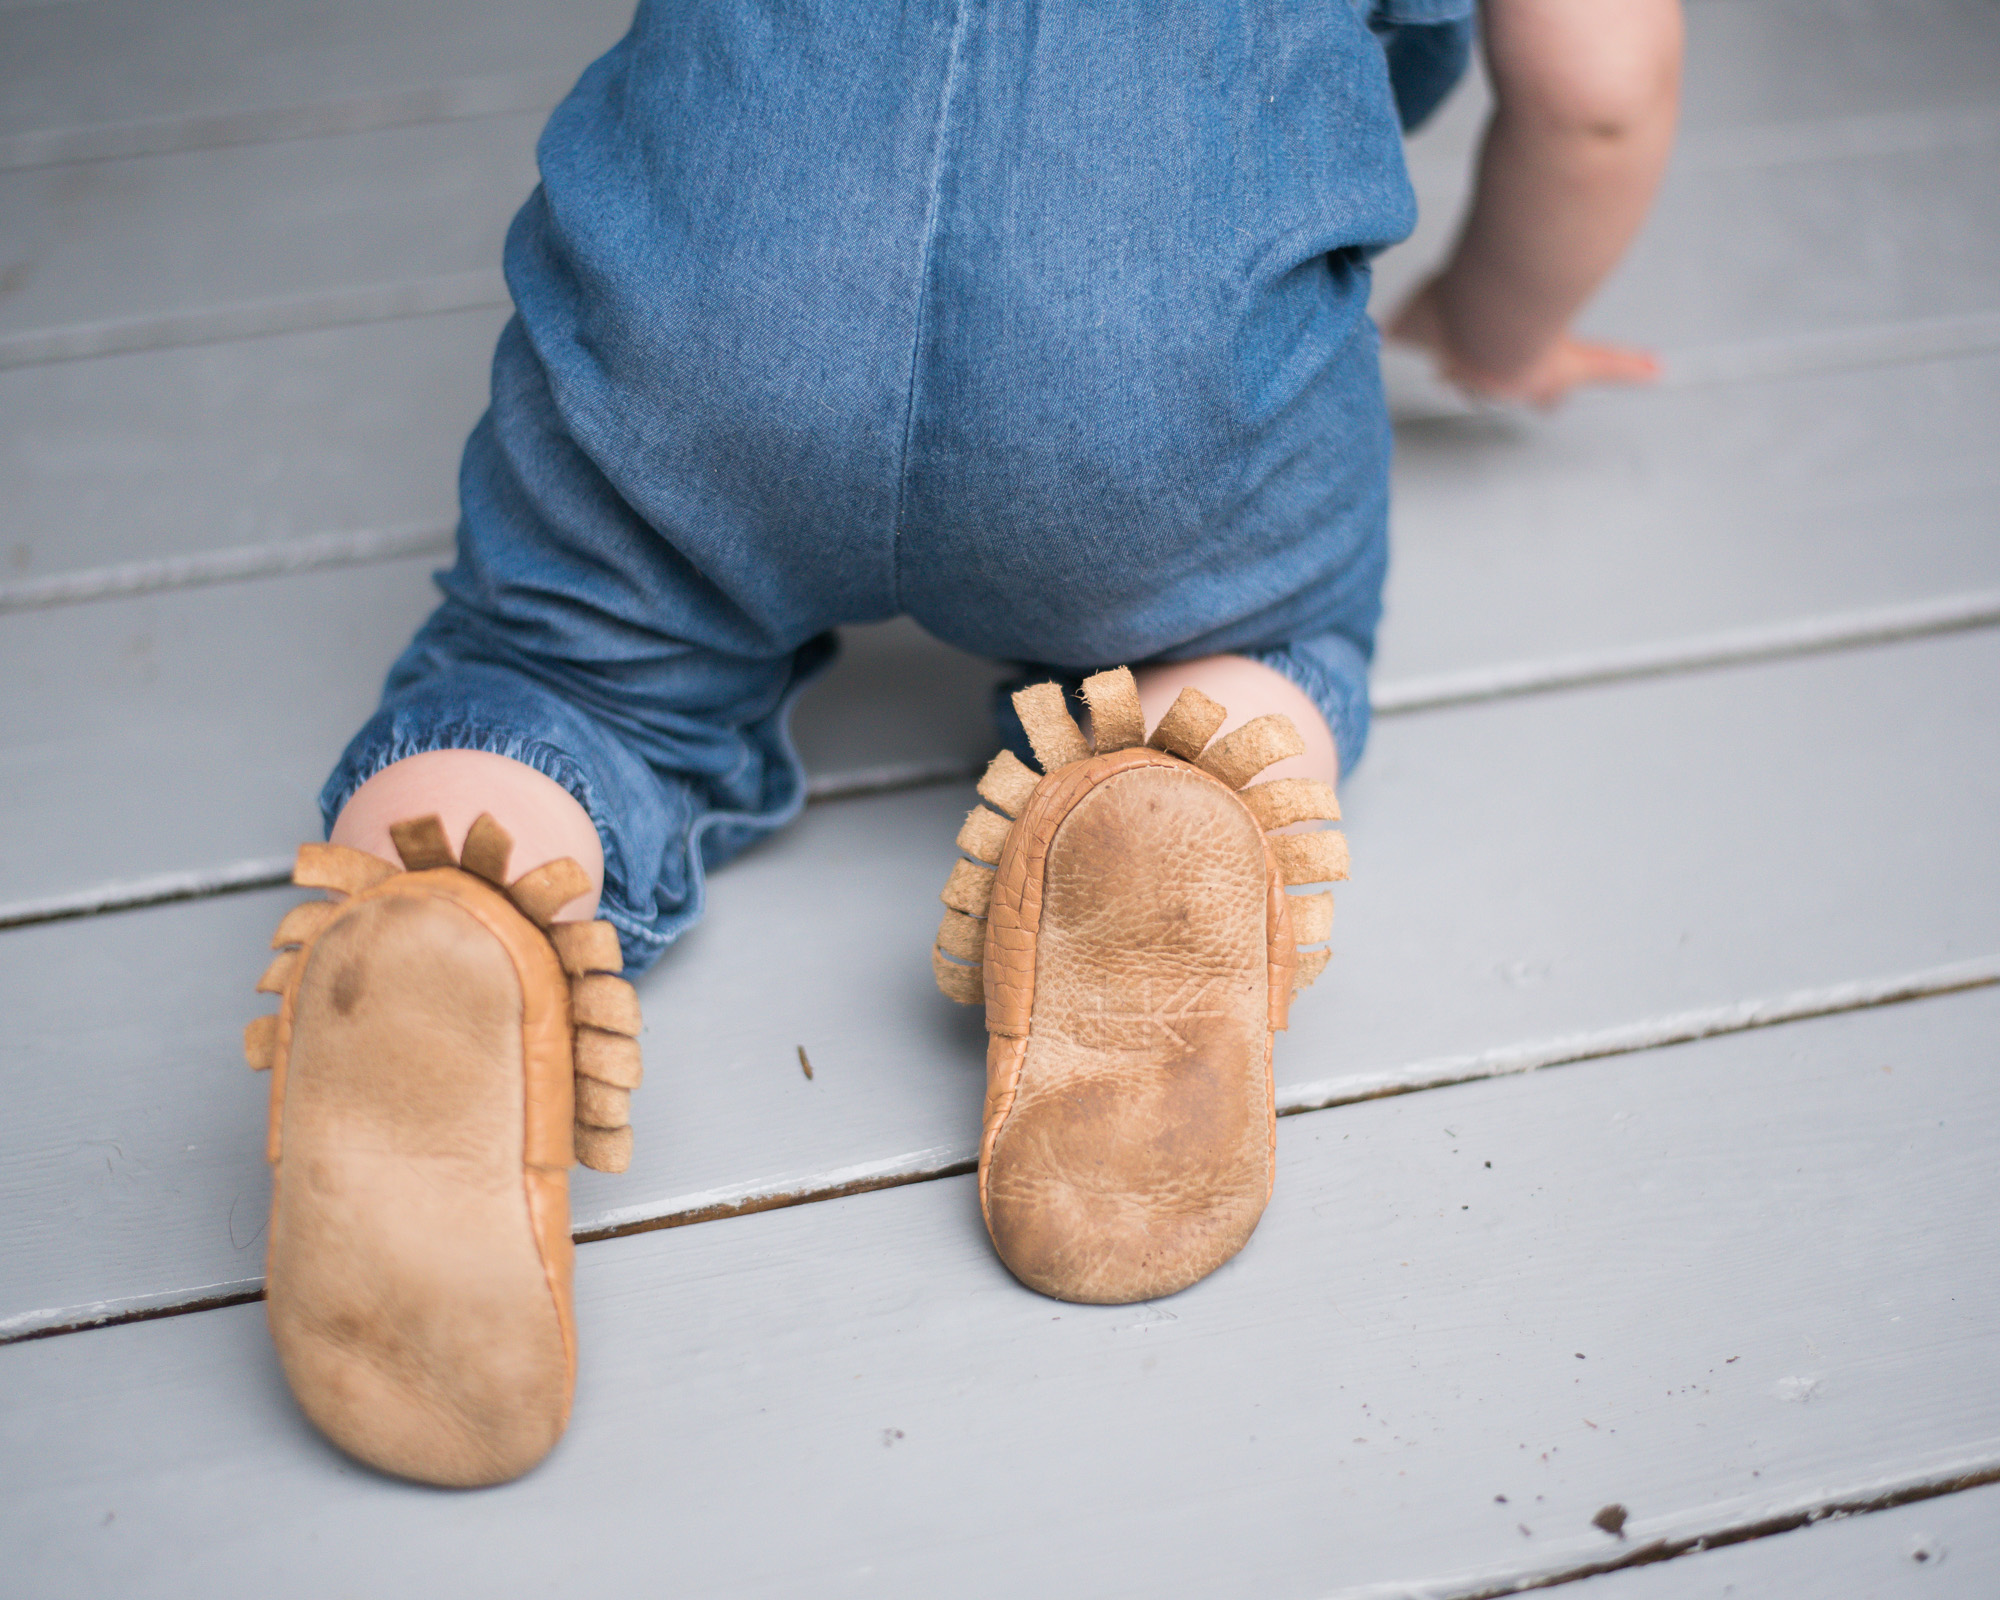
1249 689
584 727
456 786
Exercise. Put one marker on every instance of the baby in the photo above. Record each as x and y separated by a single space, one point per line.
1047 327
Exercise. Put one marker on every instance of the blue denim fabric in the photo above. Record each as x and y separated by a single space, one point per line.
1044 326
1426 60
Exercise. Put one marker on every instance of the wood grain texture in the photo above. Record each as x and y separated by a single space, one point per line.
1736 1287
413 192
1775 220
172 451
897 704
1771 1250
188 729
103 65
1523 871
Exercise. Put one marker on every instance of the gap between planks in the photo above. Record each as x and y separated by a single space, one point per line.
281 558
462 101
1853 1501
1706 652
948 1161
1775 641
1423 397
1752 361
275 872
1818 139
256 319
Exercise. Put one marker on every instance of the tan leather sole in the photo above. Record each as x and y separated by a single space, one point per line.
417 1320
1130 1133
426 1070
1135 950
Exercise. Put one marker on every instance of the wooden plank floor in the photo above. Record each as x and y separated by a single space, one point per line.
1418 1356
1690 731
1537 870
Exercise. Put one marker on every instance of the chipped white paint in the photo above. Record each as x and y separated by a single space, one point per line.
799 1187
832 1399
95 1313
1684 1532
1945 1548
760 1193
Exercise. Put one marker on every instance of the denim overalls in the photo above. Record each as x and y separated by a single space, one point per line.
1042 323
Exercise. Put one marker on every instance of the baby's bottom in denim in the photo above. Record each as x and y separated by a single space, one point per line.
1051 338
574 639
577 639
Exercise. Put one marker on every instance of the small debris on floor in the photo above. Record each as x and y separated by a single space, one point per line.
805 1065
1611 1519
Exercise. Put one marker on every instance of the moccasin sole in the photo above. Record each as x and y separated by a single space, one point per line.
1135 950
1129 1143
441 1055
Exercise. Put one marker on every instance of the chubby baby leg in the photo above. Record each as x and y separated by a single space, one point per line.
457 786
1249 690
451 1035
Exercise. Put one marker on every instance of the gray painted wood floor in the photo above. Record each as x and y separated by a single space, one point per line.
1639 1137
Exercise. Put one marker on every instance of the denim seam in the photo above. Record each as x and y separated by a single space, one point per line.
932 205
1319 687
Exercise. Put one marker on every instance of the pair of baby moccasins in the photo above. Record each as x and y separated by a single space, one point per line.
444 1051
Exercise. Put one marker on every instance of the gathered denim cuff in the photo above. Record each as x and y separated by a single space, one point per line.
665 818
1333 671
1331 668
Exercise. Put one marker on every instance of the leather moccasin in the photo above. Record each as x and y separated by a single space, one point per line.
1124 918
441 1054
